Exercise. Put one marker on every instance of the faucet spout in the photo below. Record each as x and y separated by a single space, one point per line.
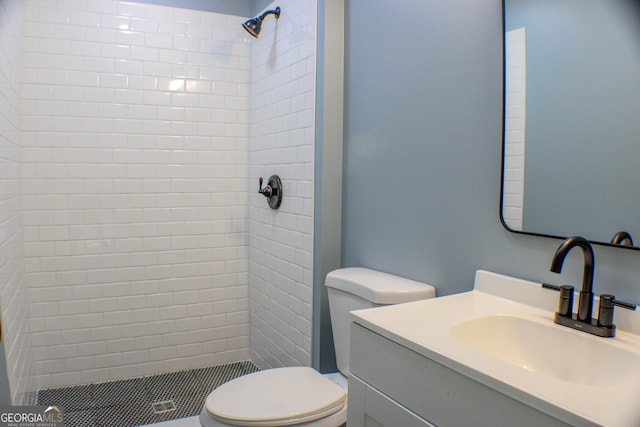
585 305
622 238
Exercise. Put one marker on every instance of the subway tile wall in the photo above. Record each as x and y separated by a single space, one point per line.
135 132
282 137
515 127
13 287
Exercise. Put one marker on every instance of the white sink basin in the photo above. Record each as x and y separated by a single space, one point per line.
547 349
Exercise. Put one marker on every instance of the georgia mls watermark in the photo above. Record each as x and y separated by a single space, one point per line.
31 416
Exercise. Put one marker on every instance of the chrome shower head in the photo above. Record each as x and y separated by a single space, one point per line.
254 25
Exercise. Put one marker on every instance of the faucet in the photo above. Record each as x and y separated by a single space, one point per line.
602 326
585 303
622 238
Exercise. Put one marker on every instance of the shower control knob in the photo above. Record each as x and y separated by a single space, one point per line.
266 191
272 191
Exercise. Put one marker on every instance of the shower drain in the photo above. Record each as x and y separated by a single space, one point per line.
163 407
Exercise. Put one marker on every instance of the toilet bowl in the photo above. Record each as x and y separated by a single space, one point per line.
297 396
300 396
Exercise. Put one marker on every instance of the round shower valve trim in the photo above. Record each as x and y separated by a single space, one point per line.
272 191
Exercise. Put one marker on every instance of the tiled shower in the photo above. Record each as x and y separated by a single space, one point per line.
131 142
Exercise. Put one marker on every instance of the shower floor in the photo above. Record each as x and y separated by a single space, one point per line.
136 401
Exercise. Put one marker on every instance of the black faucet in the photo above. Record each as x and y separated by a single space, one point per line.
585 303
582 320
622 238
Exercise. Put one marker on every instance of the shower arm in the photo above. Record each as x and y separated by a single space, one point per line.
275 12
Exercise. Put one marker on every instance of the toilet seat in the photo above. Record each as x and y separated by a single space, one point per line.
275 397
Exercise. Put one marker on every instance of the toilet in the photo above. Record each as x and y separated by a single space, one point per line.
300 396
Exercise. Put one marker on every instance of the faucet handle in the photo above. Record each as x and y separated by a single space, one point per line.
605 312
266 191
565 303
552 287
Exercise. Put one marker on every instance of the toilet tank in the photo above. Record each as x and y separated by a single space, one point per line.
356 288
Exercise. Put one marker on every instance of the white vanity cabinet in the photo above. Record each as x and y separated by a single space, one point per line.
391 386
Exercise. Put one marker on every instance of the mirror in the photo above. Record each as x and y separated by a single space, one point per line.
571 153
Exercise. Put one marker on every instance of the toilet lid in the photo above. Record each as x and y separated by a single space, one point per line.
276 397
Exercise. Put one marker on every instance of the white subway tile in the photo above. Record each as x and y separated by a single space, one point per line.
158 40
188 16
140 112
99 65
156 68
144 53
115 22
131 9
143 24
85 19
184 99
167 113
126 96
108 360
135 357
81 78
54 15
156 127
100 35
101 6
70 32
130 37
160 13
112 80
39 29
116 51
137 81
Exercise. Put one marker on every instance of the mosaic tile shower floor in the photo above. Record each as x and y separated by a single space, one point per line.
129 403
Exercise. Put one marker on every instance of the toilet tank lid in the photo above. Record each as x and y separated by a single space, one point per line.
378 287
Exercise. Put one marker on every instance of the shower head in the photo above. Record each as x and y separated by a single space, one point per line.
254 25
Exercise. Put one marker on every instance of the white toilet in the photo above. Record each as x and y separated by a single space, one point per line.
300 396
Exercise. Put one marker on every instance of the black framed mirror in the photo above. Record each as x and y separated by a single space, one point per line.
571 146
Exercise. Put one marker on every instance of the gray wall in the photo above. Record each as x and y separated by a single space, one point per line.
582 131
328 172
423 137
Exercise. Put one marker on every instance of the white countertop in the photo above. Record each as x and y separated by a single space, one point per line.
424 327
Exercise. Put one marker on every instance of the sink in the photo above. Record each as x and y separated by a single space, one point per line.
549 350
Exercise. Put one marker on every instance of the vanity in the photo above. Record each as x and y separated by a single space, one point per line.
490 357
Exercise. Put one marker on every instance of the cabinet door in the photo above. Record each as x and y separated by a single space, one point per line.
370 408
